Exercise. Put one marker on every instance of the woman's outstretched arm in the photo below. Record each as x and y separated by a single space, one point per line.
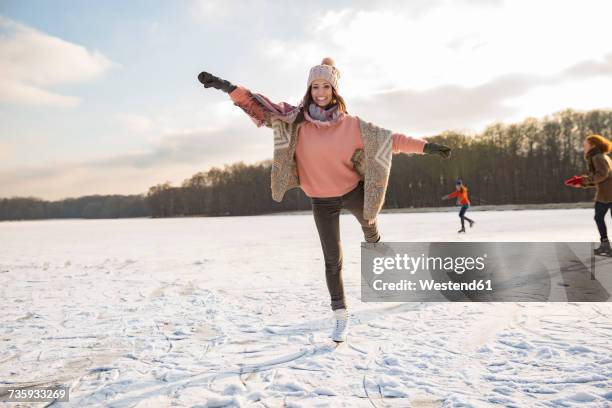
210 81
241 96
244 99
408 144
259 108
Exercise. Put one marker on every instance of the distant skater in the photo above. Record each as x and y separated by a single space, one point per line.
596 149
461 193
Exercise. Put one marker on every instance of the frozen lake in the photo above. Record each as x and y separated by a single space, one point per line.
233 311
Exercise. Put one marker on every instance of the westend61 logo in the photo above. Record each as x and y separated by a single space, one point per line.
484 272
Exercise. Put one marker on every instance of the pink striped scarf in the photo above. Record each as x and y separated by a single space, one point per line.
288 113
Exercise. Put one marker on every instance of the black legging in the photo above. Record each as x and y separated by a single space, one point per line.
464 208
600 214
326 213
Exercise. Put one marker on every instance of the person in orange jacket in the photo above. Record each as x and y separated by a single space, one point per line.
461 193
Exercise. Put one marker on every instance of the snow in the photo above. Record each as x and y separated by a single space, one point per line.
233 312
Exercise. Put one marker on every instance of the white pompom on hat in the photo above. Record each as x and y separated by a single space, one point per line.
326 71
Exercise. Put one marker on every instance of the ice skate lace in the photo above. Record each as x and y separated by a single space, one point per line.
340 324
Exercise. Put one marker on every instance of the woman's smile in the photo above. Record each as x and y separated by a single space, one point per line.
321 92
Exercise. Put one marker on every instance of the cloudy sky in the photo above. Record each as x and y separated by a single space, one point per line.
102 97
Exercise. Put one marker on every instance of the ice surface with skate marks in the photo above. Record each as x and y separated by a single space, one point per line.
204 312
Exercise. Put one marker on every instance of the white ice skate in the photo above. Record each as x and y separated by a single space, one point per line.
341 325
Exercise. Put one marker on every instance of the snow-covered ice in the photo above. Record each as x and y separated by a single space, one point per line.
233 311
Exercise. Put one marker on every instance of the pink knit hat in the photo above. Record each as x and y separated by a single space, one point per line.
326 71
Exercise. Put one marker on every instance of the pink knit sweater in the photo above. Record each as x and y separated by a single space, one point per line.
323 153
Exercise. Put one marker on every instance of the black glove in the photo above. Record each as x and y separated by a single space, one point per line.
434 148
211 81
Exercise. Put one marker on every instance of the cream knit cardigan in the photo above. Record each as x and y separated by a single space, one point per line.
373 163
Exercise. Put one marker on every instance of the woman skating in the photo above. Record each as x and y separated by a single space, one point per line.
461 193
338 160
596 149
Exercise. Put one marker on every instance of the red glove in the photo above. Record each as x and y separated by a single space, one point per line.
574 181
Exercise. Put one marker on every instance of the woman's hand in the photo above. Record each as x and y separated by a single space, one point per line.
575 181
439 149
211 81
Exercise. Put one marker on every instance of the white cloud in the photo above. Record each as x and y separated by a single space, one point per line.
329 20
210 10
173 157
135 123
461 47
510 97
585 94
460 43
24 94
207 114
31 62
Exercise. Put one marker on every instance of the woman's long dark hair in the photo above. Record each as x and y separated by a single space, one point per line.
336 99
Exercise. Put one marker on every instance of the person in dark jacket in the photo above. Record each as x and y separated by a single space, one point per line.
596 149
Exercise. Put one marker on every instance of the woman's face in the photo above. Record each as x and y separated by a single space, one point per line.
321 92
457 186
587 145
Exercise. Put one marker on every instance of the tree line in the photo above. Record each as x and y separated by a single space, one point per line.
521 163
95 206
